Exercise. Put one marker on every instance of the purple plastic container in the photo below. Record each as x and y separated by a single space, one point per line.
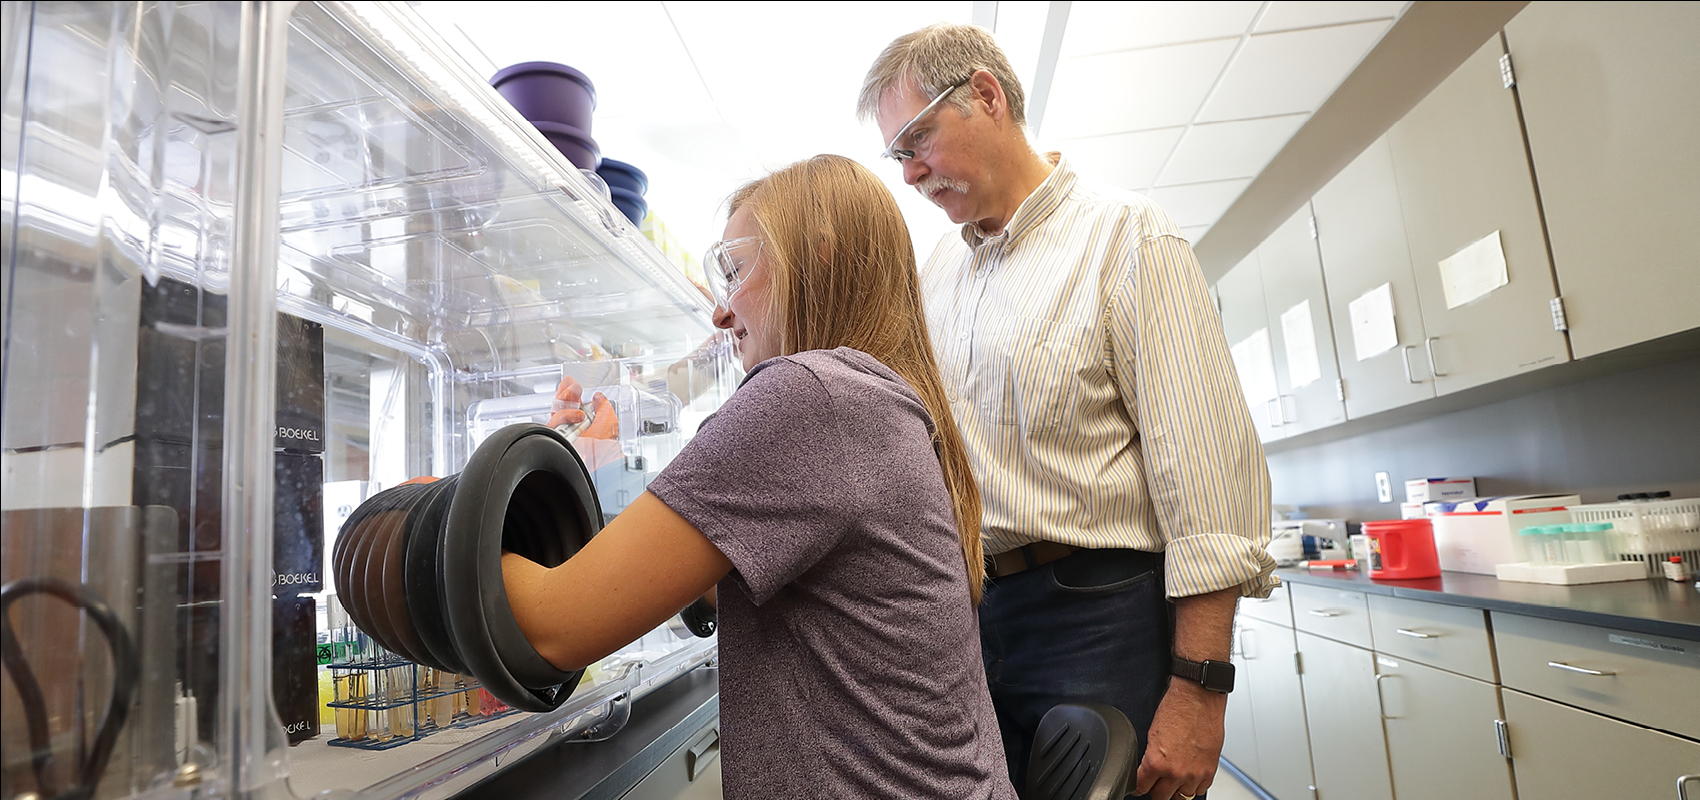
544 91
623 175
573 143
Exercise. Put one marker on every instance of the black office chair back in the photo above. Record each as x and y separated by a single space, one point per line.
1085 751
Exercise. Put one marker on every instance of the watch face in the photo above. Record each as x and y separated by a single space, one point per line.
1218 676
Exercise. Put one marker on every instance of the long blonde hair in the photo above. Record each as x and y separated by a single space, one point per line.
841 272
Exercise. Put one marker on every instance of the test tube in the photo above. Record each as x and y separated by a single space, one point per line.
1553 536
1533 545
1596 547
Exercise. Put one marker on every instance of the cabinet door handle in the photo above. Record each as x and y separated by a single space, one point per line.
1246 638
701 754
1416 634
1380 701
1272 410
1281 404
1323 612
1583 670
1405 361
1503 737
1682 785
1428 345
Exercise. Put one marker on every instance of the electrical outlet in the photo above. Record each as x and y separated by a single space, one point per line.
1383 487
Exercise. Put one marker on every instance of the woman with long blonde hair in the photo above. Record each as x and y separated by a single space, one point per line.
829 505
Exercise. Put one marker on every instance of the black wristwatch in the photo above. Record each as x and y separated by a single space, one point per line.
1217 676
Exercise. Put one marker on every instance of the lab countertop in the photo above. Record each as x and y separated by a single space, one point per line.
1654 606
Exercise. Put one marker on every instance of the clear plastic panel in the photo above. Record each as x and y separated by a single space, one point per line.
435 256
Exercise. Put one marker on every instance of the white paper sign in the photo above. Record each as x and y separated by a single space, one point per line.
1474 271
1303 368
1373 331
1256 365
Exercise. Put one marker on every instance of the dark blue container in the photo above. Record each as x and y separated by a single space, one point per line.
623 175
630 203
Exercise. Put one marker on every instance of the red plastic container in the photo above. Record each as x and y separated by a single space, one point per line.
1402 549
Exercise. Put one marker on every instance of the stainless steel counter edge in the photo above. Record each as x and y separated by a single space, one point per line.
661 722
1653 606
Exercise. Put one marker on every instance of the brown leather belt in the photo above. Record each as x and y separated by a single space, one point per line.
1026 556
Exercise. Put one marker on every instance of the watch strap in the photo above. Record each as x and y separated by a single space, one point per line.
1217 676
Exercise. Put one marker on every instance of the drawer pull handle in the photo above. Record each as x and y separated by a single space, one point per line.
1583 670
1323 612
1682 785
1416 634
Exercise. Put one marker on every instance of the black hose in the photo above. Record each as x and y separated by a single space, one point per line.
126 671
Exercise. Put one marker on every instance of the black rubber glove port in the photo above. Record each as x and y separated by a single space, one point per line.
418 567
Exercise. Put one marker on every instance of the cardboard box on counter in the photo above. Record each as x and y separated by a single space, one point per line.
1429 490
1477 535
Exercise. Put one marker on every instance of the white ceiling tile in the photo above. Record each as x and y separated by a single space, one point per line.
624 85
1106 27
803 83
1285 15
1223 150
1285 73
1199 203
1132 91
1128 160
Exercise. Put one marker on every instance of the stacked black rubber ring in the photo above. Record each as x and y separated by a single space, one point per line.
418 567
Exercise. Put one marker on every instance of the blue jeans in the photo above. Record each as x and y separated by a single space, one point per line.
1093 626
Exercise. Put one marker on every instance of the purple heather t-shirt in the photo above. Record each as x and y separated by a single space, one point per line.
850 654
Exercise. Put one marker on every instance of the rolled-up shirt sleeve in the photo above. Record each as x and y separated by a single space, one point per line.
1204 465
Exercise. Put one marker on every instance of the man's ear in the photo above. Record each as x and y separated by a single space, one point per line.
989 94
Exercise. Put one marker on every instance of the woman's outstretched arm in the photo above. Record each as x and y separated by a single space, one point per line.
641 569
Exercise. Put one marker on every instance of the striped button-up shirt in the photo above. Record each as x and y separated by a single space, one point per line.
1089 373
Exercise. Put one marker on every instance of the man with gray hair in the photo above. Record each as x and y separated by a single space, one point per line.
1125 491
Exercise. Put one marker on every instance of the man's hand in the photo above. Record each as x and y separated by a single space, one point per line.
1185 739
1184 742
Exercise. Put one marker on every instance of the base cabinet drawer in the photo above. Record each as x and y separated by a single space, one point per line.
1644 679
1442 740
1564 753
1452 638
1276 608
1339 614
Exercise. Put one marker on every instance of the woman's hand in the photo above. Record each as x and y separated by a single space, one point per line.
569 403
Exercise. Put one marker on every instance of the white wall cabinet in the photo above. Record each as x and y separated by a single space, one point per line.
1366 265
1245 320
1463 177
1568 166
1300 330
1608 96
